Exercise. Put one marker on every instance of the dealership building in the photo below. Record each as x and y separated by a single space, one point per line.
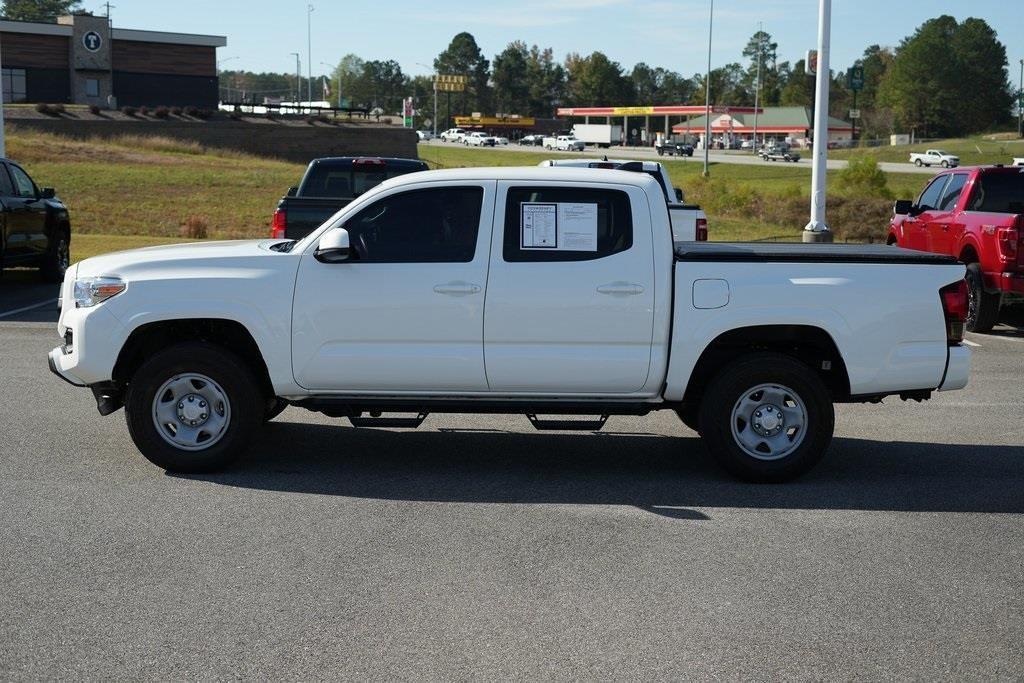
82 59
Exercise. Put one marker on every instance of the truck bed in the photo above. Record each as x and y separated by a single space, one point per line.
781 252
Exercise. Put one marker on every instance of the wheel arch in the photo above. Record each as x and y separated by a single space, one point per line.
807 344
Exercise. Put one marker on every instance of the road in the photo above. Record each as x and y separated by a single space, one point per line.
477 548
715 157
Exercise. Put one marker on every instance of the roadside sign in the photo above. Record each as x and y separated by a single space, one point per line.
811 62
451 82
92 41
855 78
855 113
407 112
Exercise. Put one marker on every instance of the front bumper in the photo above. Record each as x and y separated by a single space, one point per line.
51 360
958 368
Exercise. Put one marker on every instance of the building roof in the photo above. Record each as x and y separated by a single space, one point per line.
668 110
770 119
46 29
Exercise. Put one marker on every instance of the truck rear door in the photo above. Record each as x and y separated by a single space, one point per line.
570 293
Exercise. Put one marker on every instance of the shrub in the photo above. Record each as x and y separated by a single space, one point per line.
43 108
128 110
176 111
195 228
94 109
192 111
863 178
161 112
144 110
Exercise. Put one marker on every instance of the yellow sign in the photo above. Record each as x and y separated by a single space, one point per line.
450 82
495 121
451 87
444 78
632 111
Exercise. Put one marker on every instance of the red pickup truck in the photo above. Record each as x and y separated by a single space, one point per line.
977 215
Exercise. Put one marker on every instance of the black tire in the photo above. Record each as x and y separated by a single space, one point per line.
945 164
57 258
661 152
276 407
245 403
738 380
982 306
918 163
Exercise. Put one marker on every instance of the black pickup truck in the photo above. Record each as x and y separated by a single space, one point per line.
328 185
674 148
35 230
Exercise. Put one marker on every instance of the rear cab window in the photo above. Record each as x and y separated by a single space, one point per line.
998 192
565 224
349 178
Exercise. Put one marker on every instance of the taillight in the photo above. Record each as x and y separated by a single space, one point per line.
1009 244
702 230
277 225
369 161
954 306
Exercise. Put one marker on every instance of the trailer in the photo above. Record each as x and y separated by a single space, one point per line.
600 134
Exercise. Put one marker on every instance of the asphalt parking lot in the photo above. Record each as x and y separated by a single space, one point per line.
478 548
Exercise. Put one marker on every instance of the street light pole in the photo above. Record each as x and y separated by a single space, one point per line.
309 55
707 92
816 230
1020 103
298 79
757 84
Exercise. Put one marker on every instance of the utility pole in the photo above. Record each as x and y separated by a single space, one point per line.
3 142
757 83
1020 103
309 55
298 78
816 230
707 92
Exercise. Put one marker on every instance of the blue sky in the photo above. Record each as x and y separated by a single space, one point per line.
667 33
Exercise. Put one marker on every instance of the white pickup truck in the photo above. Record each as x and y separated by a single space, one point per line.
935 157
537 291
564 143
689 222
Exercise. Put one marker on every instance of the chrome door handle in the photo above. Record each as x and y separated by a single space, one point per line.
621 289
458 288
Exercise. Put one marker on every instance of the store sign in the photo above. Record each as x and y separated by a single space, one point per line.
855 113
855 78
450 83
92 41
632 111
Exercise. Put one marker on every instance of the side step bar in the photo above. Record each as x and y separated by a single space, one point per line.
389 422
566 425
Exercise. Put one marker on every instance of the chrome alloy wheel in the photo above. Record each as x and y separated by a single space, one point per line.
769 421
191 411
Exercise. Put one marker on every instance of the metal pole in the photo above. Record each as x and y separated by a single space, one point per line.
816 230
757 85
309 56
298 78
435 104
707 92
1020 103
3 142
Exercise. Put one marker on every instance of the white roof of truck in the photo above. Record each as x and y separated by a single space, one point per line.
530 173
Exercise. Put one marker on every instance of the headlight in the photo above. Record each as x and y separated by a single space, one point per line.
90 291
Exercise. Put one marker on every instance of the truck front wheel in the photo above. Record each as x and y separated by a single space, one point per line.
193 407
767 418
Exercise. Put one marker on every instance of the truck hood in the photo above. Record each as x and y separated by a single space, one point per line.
224 254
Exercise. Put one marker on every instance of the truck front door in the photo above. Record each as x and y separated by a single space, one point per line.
405 312
916 228
570 294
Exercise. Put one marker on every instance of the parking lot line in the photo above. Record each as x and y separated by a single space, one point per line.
16 311
970 343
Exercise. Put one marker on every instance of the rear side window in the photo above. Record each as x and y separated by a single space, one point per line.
23 185
566 224
1001 192
932 195
421 226
951 194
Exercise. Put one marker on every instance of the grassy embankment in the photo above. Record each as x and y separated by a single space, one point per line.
137 191
976 150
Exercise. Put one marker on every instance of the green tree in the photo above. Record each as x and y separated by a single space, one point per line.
546 79
798 90
38 10
463 57
348 74
596 80
986 95
511 93
762 48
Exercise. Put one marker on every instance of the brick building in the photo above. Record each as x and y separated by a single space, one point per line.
83 60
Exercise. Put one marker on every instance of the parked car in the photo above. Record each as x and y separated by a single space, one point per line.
935 157
452 135
976 215
689 222
780 152
36 227
533 291
674 148
532 140
1018 161
329 184
424 135
500 140
564 143
478 139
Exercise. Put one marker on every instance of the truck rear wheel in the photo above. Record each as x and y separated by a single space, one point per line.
767 418
982 306
58 257
193 407
918 163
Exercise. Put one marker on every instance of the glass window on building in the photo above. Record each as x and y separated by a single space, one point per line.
92 87
14 85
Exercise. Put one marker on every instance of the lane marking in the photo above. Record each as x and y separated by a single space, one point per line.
970 343
16 311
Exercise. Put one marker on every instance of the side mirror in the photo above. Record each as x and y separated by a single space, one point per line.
679 195
903 207
47 193
333 246
292 191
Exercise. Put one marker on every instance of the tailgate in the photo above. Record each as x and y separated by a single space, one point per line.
304 215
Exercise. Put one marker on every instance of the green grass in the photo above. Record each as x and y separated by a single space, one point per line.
975 150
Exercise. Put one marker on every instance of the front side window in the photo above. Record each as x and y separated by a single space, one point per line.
952 192
566 224
932 195
23 185
421 226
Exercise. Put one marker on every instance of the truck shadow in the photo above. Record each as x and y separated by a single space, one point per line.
669 476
